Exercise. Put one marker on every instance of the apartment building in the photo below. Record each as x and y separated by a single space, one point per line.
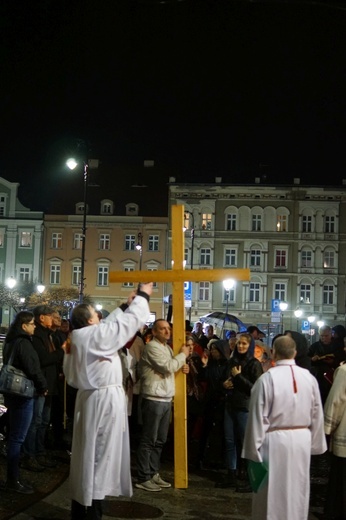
128 242
291 237
21 232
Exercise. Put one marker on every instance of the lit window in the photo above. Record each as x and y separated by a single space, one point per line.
206 221
77 241
25 239
105 241
56 240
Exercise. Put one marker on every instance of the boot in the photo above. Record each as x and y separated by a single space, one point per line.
94 512
228 481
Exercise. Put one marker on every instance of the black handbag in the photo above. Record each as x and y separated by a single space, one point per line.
14 381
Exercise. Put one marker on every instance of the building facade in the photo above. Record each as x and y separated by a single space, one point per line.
113 243
292 238
21 245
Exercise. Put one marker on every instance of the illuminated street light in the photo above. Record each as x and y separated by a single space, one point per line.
311 319
72 164
298 314
139 247
283 307
228 284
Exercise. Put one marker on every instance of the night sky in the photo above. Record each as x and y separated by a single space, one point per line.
218 88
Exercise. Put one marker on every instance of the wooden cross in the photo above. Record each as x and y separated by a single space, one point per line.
177 276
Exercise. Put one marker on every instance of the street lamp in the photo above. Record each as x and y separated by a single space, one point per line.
91 163
139 247
192 231
10 282
298 314
283 307
228 285
311 319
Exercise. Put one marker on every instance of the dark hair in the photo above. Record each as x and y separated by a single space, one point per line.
16 325
80 316
42 310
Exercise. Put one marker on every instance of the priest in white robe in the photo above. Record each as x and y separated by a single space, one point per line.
284 428
100 461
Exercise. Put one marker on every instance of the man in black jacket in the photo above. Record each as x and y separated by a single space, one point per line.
50 358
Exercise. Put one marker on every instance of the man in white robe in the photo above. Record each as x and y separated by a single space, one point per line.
100 462
284 428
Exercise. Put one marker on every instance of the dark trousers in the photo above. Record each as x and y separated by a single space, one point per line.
80 512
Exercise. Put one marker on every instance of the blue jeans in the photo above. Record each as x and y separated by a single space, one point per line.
156 417
19 412
234 427
34 442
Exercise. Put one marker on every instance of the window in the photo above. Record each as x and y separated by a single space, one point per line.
186 255
328 295
107 208
231 222
2 205
306 258
280 291
153 242
25 239
204 291
230 257
305 293
256 222
254 292
130 242
24 274
329 224
76 274
54 275
77 241
102 275
328 259
280 258
205 256
255 258
128 284
188 220
104 241
56 240
2 238
281 223
306 224
206 221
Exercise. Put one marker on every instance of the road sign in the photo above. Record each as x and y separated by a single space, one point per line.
187 293
276 305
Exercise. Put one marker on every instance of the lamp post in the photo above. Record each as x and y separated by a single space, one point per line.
139 247
311 319
228 285
10 282
283 307
298 314
192 231
91 163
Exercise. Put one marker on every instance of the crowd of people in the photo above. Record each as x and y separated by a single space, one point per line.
245 401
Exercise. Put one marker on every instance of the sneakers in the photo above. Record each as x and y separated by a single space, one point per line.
18 487
160 482
32 464
148 485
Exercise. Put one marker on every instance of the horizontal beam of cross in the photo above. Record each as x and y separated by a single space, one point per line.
191 275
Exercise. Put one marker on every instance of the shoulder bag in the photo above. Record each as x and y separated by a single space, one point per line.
14 381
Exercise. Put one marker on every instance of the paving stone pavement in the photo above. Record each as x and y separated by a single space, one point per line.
201 500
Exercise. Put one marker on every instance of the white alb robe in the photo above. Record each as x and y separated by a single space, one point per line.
100 461
284 428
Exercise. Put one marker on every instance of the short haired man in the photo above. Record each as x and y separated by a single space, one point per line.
321 353
156 368
284 428
50 358
100 461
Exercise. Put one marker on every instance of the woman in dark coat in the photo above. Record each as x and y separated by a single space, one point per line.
20 409
242 371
